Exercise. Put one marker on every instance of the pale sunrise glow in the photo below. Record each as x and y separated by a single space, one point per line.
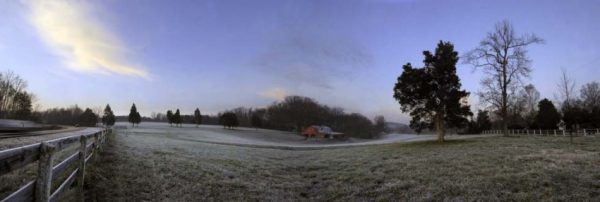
83 43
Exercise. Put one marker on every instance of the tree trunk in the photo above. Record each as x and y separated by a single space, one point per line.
504 86
439 128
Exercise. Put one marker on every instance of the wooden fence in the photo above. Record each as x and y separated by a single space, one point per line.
40 189
580 132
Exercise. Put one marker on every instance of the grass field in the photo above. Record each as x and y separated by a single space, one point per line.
155 167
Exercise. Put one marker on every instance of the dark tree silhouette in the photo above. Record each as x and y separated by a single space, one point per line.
547 116
197 117
379 127
432 94
256 121
590 95
229 120
88 118
503 57
483 120
108 119
573 114
134 116
177 118
590 98
22 106
63 116
170 117
296 112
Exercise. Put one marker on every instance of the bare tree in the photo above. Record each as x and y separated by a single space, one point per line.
566 89
590 95
10 86
502 55
530 97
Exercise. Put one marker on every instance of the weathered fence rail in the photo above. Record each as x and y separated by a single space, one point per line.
580 132
90 140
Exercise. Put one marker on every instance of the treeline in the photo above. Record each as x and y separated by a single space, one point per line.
527 111
294 113
17 103
162 117
71 116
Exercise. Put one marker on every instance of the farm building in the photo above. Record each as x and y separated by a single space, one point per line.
321 131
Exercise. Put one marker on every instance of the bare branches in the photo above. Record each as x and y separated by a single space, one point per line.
10 86
590 95
502 55
566 88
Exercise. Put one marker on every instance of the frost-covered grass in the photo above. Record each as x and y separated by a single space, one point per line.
158 167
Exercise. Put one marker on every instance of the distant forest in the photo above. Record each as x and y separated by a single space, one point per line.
294 113
291 114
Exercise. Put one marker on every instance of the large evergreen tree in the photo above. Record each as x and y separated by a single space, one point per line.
432 94
197 117
134 116
547 116
108 119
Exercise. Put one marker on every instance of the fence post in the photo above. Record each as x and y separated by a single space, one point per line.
96 144
43 184
102 136
81 174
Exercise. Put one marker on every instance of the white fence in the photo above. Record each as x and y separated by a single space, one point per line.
539 132
44 153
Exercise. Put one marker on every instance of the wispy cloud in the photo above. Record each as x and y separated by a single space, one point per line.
313 58
274 93
85 45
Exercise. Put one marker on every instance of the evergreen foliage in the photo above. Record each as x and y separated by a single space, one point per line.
108 119
432 94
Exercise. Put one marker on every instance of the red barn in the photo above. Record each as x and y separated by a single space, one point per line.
321 131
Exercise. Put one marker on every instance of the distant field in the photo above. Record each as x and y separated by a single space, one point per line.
155 167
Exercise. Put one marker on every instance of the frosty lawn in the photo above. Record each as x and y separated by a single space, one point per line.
155 166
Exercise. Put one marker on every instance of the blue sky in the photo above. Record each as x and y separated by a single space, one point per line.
217 55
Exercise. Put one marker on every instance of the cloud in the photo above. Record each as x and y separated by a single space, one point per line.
313 58
84 44
274 93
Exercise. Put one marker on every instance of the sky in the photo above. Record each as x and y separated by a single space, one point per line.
219 54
